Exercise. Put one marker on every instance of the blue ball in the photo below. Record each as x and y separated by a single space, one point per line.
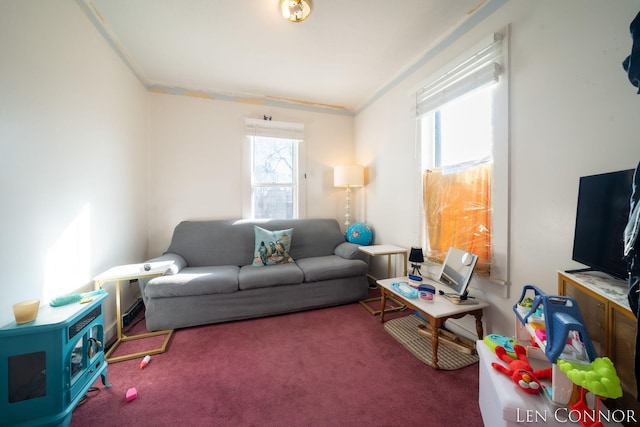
360 234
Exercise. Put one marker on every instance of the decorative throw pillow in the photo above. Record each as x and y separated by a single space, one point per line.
272 247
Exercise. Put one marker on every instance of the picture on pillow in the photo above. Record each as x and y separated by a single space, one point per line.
272 247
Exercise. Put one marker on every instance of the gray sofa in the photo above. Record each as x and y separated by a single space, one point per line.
212 278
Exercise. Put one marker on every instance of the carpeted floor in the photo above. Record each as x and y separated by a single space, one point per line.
328 367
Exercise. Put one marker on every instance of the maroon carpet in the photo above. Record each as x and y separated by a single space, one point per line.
327 367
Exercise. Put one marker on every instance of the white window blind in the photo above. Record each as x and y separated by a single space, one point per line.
274 129
476 70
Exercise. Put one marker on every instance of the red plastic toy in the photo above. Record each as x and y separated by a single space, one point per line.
520 370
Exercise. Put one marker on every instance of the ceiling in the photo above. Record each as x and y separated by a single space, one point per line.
340 57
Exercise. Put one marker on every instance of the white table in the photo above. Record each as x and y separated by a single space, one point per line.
388 250
437 312
120 274
382 250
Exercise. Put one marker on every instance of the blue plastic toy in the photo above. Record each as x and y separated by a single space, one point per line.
561 317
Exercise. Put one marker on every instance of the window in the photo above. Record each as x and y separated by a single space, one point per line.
455 144
461 138
457 177
272 177
274 152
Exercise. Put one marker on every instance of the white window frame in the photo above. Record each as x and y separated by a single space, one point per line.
274 129
439 90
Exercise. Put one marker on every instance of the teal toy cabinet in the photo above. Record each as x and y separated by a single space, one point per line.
48 365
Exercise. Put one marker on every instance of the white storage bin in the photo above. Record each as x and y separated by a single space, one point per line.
502 403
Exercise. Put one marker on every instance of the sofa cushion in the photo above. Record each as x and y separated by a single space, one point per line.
272 247
331 267
314 237
194 281
251 277
213 243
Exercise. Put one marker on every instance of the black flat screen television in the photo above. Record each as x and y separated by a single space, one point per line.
601 216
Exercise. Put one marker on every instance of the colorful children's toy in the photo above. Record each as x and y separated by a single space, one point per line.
568 346
131 394
520 370
600 378
494 340
563 324
145 361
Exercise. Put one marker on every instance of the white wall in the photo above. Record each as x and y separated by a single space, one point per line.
572 113
195 160
73 131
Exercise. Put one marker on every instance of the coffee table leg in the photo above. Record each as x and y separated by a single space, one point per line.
479 329
383 301
434 346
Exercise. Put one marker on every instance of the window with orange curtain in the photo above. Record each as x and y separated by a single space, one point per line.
457 178
457 206
462 128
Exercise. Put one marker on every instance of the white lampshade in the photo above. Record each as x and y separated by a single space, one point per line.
348 176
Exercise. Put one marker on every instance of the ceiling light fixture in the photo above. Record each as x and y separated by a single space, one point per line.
295 10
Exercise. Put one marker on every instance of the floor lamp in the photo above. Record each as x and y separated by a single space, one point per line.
348 176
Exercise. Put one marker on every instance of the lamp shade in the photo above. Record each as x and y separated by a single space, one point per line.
348 176
416 255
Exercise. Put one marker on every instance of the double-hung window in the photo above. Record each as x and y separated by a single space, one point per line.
273 152
462 118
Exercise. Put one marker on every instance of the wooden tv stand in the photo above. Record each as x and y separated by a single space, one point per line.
610 323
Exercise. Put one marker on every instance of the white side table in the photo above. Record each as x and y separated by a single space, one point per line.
388 250
125 273
382 250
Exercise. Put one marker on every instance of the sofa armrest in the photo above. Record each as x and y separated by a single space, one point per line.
175 262
350 250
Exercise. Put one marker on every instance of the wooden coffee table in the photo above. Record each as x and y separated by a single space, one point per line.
437 312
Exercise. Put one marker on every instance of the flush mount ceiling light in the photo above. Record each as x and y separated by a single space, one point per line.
295 10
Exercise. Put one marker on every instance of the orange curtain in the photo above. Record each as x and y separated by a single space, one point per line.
458 212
